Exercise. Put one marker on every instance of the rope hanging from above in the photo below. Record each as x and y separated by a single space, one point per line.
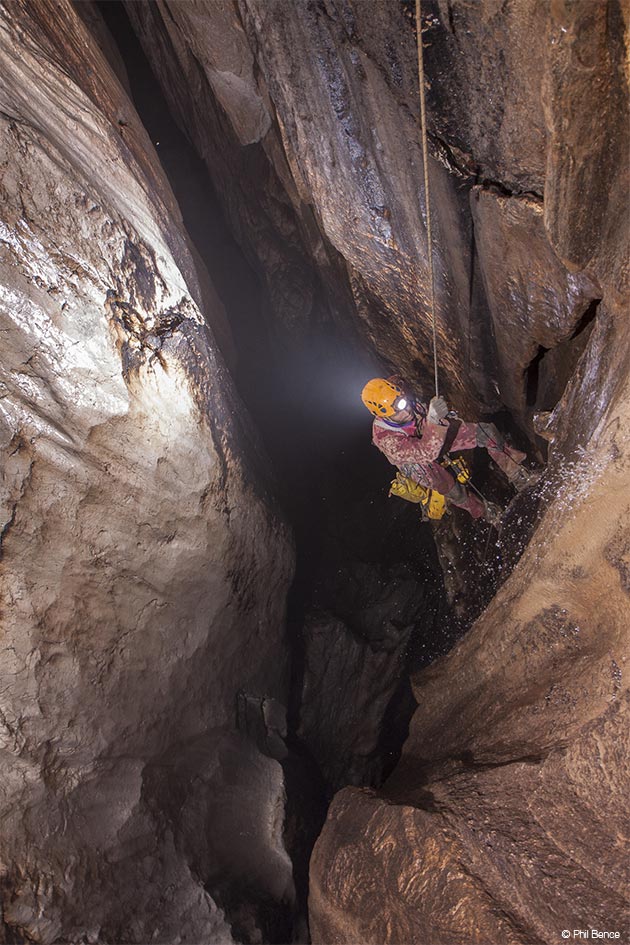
427 199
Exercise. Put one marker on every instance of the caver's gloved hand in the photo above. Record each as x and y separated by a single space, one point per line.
483 437
438 409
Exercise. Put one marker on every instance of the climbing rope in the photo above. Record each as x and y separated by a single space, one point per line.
427 199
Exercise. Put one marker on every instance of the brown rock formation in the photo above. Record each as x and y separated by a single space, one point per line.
144 563
505 821
143 570
535 303
341 167
483 833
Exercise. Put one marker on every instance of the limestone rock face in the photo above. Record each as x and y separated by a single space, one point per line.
339 154
204 63
143 567
492 50
584 95
505 820
341 221
536 304
494 827
144 564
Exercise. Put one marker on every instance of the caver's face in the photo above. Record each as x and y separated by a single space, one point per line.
402 416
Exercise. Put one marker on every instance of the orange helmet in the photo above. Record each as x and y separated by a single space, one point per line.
381 397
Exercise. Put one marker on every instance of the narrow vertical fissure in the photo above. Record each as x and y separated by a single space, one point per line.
533 377
550 370
358 566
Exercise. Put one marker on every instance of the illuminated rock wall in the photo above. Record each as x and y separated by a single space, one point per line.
144 569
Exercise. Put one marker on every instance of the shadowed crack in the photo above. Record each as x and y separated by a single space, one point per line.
462 164
8 525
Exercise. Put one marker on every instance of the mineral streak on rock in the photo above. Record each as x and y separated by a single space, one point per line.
506 818
341 157
132 508
585 98
535 303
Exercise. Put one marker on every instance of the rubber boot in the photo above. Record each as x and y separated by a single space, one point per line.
522 478
461 497
493 514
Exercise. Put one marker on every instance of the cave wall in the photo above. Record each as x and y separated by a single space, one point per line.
137 528
493 828
341 107
202 59
505 820
325 195
307 117
144 564
332 130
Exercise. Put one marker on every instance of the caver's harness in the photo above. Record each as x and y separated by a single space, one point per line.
434 503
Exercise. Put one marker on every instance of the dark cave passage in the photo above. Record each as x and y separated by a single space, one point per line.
304 395
549 371
245 694
367 606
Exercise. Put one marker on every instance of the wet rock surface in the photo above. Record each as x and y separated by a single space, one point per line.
341 157
345 108
153 788
491 51
501 822
535 303
137 533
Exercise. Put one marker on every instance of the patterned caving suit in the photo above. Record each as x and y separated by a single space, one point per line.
415 447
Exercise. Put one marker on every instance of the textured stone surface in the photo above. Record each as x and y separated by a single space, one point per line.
221 50
252 192
342 172
490 50
588 161
135 536
533 300
342 169
480 836
143 572
506 819
352 76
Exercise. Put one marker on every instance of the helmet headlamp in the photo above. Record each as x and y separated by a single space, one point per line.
383 398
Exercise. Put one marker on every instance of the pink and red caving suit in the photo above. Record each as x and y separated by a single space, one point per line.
415 448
